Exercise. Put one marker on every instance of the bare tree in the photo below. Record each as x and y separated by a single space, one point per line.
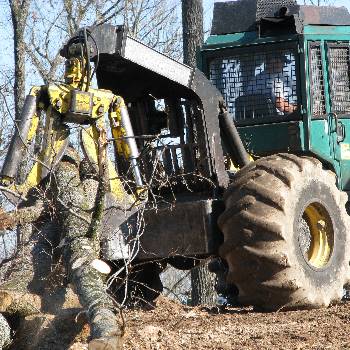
19 15
203 282
50 24
192 29
6 108
319 2
154 23
46 30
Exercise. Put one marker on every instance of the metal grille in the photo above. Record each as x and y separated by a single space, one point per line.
339 79
176 159
256 85
317 82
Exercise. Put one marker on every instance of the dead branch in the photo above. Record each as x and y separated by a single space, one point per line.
9 220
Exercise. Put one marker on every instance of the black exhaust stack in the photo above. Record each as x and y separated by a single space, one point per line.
232 140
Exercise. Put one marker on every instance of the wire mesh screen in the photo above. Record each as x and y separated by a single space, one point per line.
257 85
317 82
339 79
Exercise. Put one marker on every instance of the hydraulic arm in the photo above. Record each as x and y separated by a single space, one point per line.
73 101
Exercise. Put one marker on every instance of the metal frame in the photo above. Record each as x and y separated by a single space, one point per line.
136 71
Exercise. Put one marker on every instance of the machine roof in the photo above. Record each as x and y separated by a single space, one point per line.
244 15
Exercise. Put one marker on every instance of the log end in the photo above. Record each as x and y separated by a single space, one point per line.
5 300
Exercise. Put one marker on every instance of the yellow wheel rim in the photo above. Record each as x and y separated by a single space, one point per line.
320 242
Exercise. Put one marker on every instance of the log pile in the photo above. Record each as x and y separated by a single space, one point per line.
53 276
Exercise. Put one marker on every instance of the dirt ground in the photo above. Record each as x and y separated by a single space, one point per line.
173 326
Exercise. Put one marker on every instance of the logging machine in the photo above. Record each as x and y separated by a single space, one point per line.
248 155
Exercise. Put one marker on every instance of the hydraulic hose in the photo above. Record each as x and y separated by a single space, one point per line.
232 140
134 153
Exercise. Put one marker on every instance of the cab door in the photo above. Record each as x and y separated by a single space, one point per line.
338 107
320 137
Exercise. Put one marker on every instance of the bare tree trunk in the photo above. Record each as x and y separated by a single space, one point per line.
192 29
23 276
5 332
203 281
19 14
35 281
203 286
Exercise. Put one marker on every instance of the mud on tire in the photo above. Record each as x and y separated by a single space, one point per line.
285 234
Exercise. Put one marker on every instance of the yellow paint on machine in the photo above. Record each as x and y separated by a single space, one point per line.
321 235
89 136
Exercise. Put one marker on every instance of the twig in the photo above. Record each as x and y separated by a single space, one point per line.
9 220
14 193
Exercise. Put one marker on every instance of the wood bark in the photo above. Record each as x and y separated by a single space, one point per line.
19 14
203 286
5 332
21 216
24 277
192 29
81 249
202 281
34 282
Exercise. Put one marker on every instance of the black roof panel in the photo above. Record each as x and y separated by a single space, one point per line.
242 15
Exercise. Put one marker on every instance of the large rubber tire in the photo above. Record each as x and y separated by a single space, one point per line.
265 242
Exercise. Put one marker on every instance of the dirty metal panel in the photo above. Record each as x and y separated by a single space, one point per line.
114 40
136 52
242 15
325 15
187 229
134 69
272 138
234 17
210 130
268 8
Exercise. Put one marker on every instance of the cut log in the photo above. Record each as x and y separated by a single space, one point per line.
5 332
34 293
80 251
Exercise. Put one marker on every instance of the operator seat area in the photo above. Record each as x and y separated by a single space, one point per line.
259 84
